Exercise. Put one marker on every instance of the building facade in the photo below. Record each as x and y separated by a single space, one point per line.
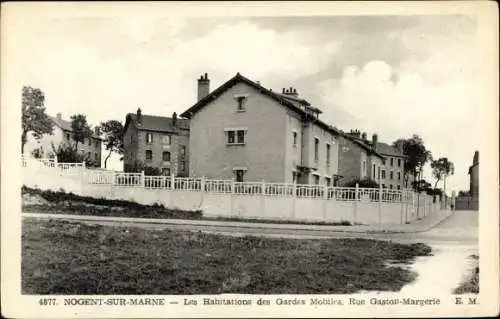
91 148
361 158
474 177
156 142
247 132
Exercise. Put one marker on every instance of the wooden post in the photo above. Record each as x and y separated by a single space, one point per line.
380 204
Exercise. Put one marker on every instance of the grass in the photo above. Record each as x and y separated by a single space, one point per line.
61 202
471 284
61 257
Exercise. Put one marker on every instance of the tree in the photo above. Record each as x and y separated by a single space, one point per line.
441 169
113 132
34 118
68 154
416 155
81 129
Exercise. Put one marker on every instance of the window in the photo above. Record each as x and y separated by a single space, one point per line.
182 165
166 156
183 149
383 173
327 154
131 138
238 175
364 168
392 161
383 186
399 176
294 177
166 139
383 161
390 186
149 138
89 140
165 171
399 187
67 136
149 155
378 172
240 137
399 162
88 155
294 139
96 156
241 103
316 148
316 179
374 171
391 175
236 137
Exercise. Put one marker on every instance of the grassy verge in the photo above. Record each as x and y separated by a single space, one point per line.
61 202
60 257
471 284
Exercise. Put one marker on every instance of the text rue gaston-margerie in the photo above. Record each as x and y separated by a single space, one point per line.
312 302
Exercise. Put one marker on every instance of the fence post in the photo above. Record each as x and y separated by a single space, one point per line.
294 195
202 194
172 181
402 198
325 198
356 196
143 179
232 196
380 204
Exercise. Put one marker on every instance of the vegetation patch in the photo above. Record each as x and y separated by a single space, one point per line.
61 202
471 283
61 257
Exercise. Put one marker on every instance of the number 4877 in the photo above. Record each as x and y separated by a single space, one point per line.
47 302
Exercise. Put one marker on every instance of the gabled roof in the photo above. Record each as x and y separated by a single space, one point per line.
386 149
361 143
298 105
156 123
66 125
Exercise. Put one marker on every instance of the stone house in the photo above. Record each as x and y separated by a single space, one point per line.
157 142
62 135
245 131
361 158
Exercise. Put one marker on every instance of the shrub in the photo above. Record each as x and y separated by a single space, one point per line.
363 183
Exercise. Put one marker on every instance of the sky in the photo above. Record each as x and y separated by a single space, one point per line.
391 75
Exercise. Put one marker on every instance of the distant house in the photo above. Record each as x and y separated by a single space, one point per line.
360 158
474 177
157 142
245 131
63 134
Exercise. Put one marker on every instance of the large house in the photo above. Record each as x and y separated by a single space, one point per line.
63 135
474 177
156 142
360 158
245 131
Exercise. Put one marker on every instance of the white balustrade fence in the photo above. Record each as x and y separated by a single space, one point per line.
369 201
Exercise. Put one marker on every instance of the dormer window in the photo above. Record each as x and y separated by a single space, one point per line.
241 102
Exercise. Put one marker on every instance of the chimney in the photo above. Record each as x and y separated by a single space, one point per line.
291 92
203 86
174 119
59 116
374 141
139 115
